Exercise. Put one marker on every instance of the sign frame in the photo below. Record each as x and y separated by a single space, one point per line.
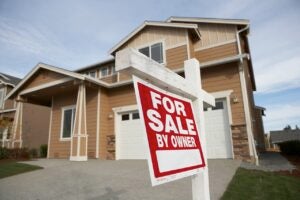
176 173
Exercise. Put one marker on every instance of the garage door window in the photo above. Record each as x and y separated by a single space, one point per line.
135 115
219 106
125 117
67 122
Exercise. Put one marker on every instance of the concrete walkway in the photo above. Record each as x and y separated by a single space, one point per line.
271 161
106 180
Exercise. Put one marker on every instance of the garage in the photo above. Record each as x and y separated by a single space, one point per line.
132 145
218 135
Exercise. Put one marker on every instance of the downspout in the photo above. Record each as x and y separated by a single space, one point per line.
245 98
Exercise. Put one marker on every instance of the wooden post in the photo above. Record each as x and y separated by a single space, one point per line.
200 182
16 141
79 140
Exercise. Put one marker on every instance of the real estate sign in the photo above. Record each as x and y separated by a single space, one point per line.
174 148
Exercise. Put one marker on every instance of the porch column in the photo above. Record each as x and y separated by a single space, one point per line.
17 127
79 140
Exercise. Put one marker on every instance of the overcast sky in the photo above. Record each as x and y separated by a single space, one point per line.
74 33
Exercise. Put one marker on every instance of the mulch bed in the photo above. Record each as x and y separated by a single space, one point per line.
295 160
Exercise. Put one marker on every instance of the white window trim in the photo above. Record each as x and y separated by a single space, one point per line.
100 74
110 72
61 138
149 44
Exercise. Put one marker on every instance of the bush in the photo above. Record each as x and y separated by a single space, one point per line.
43 150
33 153
290 147
19 154
4 153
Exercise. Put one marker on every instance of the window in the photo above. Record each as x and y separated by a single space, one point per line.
135 115
92 74
113 69
104 72
68 117
154 52
125 117
2 95
219 106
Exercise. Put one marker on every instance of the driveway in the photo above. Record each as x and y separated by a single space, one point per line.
106 180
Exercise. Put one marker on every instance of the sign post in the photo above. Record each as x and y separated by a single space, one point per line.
171 108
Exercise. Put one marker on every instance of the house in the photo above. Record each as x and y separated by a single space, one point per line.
33 118
94 112
277 137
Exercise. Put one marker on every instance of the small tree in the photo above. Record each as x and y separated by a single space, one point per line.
288 127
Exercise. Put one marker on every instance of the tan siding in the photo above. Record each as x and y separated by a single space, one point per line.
42 77
110 79
217 52
212 34
124 77
226 77
176 56
150 35
35 125
91 109
60 149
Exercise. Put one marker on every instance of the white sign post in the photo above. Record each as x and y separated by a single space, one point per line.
132 62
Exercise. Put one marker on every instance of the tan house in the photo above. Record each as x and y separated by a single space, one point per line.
94 112
34 119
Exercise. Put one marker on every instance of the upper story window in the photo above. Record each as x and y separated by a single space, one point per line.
2 95
92 74
154 52
107 71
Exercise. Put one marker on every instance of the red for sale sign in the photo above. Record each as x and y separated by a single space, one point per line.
171 131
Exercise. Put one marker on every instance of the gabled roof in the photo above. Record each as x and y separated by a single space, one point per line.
193 27
208 20
8 79
67 73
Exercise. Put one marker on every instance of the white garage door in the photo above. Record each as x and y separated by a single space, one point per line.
130 137
218 131
131 143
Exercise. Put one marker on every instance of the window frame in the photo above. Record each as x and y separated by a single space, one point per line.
63 109
150 54
100 72
94 71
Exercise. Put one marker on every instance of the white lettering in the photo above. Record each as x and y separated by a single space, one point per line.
190 126
168 105
155 123
170 125
180 108
156 99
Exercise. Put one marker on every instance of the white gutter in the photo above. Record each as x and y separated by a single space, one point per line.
251 142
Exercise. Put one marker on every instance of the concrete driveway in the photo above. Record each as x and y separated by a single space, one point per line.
106 180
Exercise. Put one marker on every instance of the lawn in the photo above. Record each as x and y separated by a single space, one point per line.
13 168
253 184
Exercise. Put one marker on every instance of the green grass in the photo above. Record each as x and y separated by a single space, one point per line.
253 184
13 168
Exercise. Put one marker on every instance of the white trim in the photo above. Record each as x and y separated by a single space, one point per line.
61 139
46 85
98 122
78 158
102 68
208 20
216 45
50 129
5 83
5 77
117 120
187 44
2 101
95 64
160 24
8 110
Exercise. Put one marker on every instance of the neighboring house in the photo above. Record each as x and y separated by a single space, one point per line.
280 136
34 118
94 112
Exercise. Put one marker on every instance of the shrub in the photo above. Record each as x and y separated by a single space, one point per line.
4 153
19 154
33 153
290 147
43 150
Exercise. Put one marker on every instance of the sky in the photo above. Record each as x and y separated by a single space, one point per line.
76 33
